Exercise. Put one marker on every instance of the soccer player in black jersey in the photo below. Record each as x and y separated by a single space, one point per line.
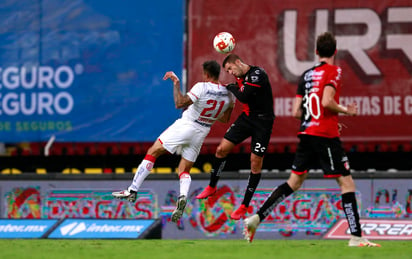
253 89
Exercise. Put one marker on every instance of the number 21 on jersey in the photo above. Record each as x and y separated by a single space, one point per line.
213 110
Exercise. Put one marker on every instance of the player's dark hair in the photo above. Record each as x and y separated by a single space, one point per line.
326 45
212 68
231 58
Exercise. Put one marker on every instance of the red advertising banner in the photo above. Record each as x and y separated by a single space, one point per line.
374 51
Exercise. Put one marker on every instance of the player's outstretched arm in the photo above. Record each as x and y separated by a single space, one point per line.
181 101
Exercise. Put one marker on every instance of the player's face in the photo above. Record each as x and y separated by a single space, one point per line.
233 69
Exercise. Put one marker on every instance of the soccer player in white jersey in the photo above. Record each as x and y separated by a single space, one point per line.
206 103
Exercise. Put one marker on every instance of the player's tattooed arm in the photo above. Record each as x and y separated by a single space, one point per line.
181 101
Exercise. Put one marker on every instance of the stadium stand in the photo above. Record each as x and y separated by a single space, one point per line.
130 148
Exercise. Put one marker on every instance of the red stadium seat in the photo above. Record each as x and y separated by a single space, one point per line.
236 149
407 147
127 148
61 148
204 150
108 148
114 149
36 148
347 146
84 148
246 148
291 148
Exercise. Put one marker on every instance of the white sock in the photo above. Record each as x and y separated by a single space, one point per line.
141 173
185 180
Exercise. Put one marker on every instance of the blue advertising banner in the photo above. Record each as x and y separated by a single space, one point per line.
88 70
99 228
25 228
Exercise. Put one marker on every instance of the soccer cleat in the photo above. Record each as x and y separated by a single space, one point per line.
250 226
128 195
239 213
180 207
208 191
361 241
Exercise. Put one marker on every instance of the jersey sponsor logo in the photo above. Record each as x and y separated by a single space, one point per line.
217 93
374 229
204 120
310 123
313 75
313 90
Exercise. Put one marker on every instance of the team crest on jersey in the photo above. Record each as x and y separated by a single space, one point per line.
346 164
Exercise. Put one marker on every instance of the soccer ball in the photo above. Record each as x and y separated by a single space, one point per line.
224 42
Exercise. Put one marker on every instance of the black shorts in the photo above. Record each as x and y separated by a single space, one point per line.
260 129
327 153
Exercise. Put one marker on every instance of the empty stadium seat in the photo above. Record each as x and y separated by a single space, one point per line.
140 148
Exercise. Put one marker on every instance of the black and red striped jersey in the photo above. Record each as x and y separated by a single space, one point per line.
255 92
317 120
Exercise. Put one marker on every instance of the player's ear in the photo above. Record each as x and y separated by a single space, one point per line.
206 75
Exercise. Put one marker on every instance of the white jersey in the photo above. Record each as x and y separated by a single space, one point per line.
210 101
186 135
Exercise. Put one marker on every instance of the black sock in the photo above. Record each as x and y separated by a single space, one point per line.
350 207
217 167
253 182
277 195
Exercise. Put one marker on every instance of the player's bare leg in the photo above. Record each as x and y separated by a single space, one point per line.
142 171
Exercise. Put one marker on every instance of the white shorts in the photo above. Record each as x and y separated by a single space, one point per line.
184 138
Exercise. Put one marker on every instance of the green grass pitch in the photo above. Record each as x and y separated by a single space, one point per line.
198 249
